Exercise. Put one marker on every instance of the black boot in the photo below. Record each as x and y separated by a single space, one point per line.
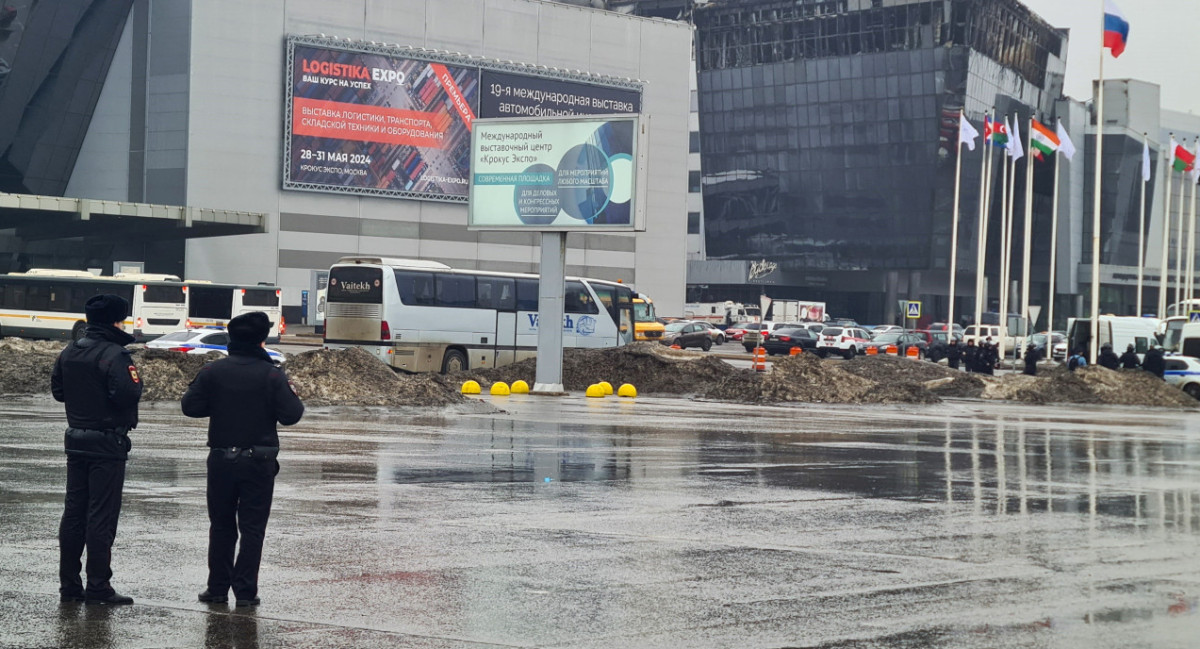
209 597
111 599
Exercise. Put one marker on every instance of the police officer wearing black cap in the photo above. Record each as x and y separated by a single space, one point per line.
244 396
96 378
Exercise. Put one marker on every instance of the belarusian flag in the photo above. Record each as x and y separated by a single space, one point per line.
1184 159
1045 141
995 133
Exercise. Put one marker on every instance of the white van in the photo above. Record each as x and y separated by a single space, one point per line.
1189 340
1118 331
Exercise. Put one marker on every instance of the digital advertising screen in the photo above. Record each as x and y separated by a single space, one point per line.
578 174
384 125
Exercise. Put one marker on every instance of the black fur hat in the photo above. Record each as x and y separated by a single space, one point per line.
249 328
106 309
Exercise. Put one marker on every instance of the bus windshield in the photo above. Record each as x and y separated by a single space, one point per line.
643 311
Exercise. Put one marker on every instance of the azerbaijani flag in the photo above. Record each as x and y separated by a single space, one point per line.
1045 141
995 133
1184 160
1116 28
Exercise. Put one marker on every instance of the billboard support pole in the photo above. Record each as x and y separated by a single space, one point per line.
551 291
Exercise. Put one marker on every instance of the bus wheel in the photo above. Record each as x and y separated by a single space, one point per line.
454 362
78 331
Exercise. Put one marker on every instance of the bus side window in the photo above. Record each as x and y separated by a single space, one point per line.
60 297
495 293
456 290
578 300
527 295
15 297
608 298
37 298
415 287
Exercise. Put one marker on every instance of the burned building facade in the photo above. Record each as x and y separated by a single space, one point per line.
829 130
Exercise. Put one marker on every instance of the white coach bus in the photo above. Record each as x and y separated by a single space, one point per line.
214 305
421 316
49 303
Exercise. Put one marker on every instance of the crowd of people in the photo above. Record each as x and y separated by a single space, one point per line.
984 358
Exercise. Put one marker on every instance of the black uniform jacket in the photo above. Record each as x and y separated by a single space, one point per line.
244 396
96 378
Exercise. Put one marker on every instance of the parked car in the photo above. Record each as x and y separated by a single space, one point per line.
782 340
687 334
755 335
1058 344
736 331
201 341
846 341
902 340
815 327
886 329
980 334
1183 372
844 322
716 334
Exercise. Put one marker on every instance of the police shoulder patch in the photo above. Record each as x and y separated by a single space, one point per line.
292 387
133 374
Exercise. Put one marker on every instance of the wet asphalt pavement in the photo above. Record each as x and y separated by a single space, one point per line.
648 523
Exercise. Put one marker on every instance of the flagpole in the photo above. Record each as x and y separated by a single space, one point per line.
1191 250
1142 234
962 115
1009 219
984 196
1053 252
1096 191
1002 292
1179 243
1166 234
1028 231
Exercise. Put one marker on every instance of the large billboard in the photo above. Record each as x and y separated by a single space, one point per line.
371 121
579 173
379 124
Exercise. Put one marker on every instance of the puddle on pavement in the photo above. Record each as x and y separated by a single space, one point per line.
998 465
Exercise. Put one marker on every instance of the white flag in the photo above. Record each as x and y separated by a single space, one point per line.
1016 149
1065 146
1145 162
966 132
1194 174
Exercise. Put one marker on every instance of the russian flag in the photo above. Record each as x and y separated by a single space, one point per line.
1116 28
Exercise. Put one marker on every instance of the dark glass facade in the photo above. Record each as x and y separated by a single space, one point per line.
829 135
54 57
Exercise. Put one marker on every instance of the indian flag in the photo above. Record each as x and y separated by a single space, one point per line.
1045 141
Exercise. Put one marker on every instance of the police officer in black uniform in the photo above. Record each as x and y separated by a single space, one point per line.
953 354
1154 362
1108 358
96 378
970 355
1032 355
244 396
1130 360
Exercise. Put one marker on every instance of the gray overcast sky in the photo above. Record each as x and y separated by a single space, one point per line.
1163 35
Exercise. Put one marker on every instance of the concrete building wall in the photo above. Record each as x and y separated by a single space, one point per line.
236 94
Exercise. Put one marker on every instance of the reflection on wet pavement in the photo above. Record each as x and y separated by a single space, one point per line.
653 522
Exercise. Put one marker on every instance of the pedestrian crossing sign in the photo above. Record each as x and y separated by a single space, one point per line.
1193 316
914 310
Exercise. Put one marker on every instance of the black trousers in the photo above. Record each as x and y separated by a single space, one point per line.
239 502
92 507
